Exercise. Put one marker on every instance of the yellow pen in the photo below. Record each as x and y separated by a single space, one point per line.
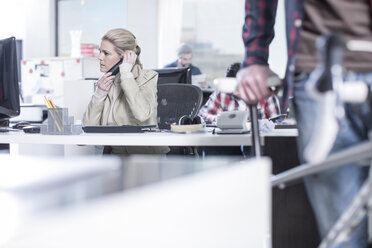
58 123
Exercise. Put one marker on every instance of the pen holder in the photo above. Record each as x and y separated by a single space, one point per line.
59 122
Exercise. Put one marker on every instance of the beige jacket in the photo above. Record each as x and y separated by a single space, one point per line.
135 105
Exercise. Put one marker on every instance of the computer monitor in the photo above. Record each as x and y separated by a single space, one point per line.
9 89
174 75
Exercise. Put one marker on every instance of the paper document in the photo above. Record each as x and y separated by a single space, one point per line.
199 80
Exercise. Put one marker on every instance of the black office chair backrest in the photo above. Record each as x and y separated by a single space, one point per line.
176 100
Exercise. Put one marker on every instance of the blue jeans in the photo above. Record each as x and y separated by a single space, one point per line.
330 192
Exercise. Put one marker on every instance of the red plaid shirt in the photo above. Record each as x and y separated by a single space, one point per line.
219 102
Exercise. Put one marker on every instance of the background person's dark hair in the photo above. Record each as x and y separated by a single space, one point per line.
233 69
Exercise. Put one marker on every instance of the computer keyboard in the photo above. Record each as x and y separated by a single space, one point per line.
117 129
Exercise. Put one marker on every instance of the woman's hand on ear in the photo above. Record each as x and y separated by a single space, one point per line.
129 57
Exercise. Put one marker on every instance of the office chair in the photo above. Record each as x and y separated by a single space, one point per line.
177 100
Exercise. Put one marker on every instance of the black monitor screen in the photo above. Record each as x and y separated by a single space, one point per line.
174 75
9 90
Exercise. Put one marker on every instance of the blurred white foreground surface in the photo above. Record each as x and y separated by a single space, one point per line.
229 206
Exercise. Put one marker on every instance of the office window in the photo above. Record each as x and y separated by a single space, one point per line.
89 19
213 28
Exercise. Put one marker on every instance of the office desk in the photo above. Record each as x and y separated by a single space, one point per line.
66 145
141 139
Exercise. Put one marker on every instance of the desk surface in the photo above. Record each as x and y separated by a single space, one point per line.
141 139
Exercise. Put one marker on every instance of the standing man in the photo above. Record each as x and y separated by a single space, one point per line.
184 54
330 192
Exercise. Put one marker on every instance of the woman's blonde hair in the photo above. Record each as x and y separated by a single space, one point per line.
123 40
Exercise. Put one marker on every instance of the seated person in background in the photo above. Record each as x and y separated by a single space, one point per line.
184 53
128 98
219 102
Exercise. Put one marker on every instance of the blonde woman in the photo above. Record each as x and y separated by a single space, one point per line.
128 98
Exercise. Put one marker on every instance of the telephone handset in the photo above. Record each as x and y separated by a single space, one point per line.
115 68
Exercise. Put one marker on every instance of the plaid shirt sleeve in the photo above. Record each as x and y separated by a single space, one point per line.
211 108
258 30
217 103
269 108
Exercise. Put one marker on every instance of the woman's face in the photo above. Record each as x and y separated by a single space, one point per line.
108 57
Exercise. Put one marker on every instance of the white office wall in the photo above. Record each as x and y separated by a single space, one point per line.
33 22
40 28
12 19
278 48
169 29
142 21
